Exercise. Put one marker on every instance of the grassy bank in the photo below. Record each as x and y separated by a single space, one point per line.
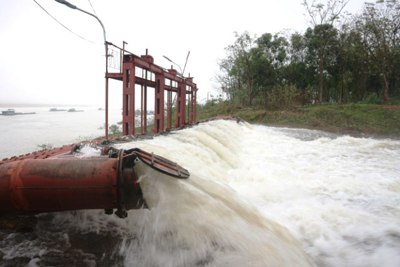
370 119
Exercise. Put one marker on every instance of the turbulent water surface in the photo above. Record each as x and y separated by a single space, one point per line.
257 196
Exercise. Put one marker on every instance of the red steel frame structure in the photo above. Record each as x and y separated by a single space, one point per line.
162 81
31 184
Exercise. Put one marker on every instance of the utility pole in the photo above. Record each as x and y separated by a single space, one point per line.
106 55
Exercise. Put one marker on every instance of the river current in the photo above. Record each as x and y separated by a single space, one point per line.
257 196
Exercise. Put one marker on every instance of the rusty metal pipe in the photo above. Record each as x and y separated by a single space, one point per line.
45 185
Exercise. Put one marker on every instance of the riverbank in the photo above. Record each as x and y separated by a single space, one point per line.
353 119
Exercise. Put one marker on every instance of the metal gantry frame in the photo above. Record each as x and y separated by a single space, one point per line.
185 90
152 77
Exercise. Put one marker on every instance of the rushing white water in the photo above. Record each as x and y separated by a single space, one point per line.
257 196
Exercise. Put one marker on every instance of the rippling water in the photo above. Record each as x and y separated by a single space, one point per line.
257 196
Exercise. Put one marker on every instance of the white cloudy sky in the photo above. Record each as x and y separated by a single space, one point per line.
41 62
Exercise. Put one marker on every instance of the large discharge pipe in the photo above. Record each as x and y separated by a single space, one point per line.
70 183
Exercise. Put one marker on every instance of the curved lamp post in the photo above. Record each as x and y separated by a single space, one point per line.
170 60
106 50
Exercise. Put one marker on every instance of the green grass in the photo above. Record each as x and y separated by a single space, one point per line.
361 118
349 118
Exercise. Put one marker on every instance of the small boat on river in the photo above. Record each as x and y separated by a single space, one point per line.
75 110
57 109
11 112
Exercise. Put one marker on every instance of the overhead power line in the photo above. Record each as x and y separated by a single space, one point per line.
94 11
65 27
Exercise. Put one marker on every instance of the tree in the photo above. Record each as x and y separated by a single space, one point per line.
239 68
229 83
271 57
322 45
323 16
274 48
324 13
329 62
296 72
244 66
114 129
380 28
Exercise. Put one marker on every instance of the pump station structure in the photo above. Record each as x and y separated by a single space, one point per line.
59 179
174 94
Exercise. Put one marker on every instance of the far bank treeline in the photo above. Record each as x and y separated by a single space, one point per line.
338 59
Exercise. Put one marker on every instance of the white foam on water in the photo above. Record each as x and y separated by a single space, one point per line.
260 196
338 195
201 221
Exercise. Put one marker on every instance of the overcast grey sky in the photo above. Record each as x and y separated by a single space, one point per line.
41 62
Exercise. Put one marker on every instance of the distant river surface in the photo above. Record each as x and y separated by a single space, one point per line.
257 196
21 134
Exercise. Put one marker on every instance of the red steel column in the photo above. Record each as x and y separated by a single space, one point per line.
178 122
159 104
190 99
181 104
143 108
169 109
194 105
169 101
149 59
191 106
128 106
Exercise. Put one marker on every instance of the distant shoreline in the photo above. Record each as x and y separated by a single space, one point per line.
20 105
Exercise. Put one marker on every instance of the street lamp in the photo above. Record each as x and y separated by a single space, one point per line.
106 55
170 60
90 14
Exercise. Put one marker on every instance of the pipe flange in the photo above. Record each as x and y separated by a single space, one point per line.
121 208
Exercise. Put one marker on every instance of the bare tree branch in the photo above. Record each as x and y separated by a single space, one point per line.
324 13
